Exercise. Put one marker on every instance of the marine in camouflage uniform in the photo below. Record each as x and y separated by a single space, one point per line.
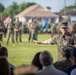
61 40
18 30
10 31
33 30
1 30
53 30
74 28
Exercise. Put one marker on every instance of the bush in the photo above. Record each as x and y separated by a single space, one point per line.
25 30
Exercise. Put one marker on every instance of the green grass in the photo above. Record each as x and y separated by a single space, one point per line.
23 53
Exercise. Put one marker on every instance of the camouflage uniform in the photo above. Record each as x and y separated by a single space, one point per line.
61 65
10 31
1 30
74 28
53 30
59 41
33 33
18 31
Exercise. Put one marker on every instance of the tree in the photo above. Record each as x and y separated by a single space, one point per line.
11 10
21 7
24 5
14 8
1 8
48 7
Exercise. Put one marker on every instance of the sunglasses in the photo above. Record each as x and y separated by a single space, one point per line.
64 27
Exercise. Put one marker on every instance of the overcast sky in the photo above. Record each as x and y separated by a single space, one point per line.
56 5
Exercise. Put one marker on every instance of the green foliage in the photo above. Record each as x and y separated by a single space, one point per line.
21 7
48 7
1 8
14 8
5 13
24 5
25 30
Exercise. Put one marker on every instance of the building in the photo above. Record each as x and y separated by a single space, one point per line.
72 14
36 11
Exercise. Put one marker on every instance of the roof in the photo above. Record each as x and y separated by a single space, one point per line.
36 11
71 12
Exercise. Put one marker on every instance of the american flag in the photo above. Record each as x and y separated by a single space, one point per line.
7 20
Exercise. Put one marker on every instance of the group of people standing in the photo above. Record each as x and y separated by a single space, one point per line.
33 29
13 28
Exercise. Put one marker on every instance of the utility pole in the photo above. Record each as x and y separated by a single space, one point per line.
75 3
64 7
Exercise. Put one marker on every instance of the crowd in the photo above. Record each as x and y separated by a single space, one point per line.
41 64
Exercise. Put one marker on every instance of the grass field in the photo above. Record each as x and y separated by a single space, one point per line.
23 53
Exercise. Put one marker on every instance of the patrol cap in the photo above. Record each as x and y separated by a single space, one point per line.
64 24
74 52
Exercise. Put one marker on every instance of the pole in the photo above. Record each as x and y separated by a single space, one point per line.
64 7
75 3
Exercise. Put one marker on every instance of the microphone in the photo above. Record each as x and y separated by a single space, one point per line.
63 36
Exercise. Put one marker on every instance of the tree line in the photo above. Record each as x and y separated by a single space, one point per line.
14 8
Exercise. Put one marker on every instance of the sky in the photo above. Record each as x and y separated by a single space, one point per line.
56 5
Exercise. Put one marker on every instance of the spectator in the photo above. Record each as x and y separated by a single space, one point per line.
4 66
25 70
62 64
48 68
73 72
36 61
4 52
73 59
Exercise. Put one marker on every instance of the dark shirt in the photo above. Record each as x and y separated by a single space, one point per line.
1 26
12 68
68 70
63 64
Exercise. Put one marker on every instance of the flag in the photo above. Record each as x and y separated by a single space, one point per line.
57 20
7 20
27 26
69 21
44 23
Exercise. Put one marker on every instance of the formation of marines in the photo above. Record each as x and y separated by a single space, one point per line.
13 27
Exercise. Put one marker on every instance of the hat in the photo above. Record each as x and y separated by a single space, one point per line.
74 52
64 24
